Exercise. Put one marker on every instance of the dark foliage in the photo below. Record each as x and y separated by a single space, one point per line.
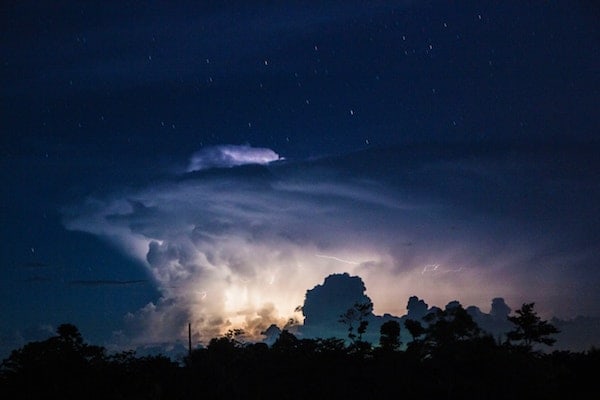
65 367
390 336
449 358
530 329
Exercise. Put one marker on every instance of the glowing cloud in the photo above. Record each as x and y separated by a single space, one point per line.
231 251
226 156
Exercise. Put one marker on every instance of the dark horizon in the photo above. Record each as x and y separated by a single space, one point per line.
323 306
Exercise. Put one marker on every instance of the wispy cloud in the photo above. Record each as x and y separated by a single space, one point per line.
34 265
37 279
106 282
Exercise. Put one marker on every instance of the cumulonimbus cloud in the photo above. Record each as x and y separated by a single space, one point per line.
226 156
240 251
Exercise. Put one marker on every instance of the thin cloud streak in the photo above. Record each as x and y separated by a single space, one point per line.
106 282
34 265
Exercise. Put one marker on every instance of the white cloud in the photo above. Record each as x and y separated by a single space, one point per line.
226 156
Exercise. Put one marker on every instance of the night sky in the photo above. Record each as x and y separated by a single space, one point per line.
209 162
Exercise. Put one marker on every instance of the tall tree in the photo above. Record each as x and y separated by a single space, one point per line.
357 316
530 328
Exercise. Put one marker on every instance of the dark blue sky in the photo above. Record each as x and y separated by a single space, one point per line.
414 134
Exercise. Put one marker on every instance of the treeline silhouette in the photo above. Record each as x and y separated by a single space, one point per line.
449 357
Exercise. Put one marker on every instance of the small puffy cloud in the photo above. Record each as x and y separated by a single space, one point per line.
226 156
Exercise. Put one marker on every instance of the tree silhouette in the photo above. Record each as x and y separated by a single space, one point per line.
450 325
357 316
331 346
67 349
60 364
446 331
226 345
415 328
390 335
530 328
286 342
449 358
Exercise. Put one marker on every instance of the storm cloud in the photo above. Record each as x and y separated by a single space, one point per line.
239 247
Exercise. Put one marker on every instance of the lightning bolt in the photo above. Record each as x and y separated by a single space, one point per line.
337 259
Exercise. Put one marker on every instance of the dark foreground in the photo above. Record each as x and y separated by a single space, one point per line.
450 359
